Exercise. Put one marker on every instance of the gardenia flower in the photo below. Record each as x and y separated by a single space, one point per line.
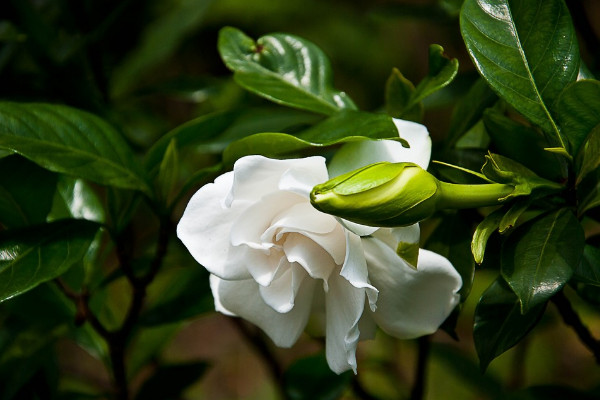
275 260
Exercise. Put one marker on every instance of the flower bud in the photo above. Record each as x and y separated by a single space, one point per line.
382 194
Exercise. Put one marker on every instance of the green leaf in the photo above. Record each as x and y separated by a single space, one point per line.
509 220
484 230
588 270
504 170
169 381
283 68
75 198
30 256
25 192
540 256
167 180
70 141
469 110
147 343
311 378
398 92
552 392
499 324
524 145
160 39
442 71
526 50
578 111
587 159
344 127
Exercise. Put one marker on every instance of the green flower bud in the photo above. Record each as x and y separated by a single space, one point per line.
398 194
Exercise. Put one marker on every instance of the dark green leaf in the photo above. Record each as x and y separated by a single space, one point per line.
25 192
398 92
283 68
167 180
70 141
311 378
523 144
169 381
147 343
526 50
344 127
469 110
578 111
504 170
588 270
499 324
484 230
513 213
540 256
588 192
442 71
551 393
587 158
33 255
75 198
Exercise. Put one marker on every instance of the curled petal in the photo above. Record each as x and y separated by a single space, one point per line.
418 138
205 230
280 295
313 258
355 268
411 302
242 298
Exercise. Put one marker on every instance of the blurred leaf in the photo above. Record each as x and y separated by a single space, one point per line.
169 381
147 345
398 92
452 239
344 127
283 68
311 378
578 111
523 144
70 141
30 256
442 71
475 138
509 41
540 256
469 110
75 198
504 170
587 158
588 192
588 270
159 41
25 192
484 230
499 324
551 392
168 175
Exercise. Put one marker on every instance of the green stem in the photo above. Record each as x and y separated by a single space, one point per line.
457 196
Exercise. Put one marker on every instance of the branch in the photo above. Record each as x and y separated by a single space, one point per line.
418 390
571 318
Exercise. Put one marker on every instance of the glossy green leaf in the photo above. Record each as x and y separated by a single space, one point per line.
578 111
499 324
469 110
539 258
70 141
509 220
344 127
283 68
311 378
167 180
526 50
484 230
398 92
25 192
33 255
169 381
504 170
588 270
442 71
524 145
587 159
76 198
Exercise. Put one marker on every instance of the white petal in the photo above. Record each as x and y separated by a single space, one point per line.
205 229
280 295
243 299
303 177
358 229
393 236
358 154
344 307
313 258
302 217
355 268
333 243
411 302
256 176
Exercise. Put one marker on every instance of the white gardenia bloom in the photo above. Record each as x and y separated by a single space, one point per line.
274 260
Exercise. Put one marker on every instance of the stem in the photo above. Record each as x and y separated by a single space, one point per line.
418 390
472 196
571 318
